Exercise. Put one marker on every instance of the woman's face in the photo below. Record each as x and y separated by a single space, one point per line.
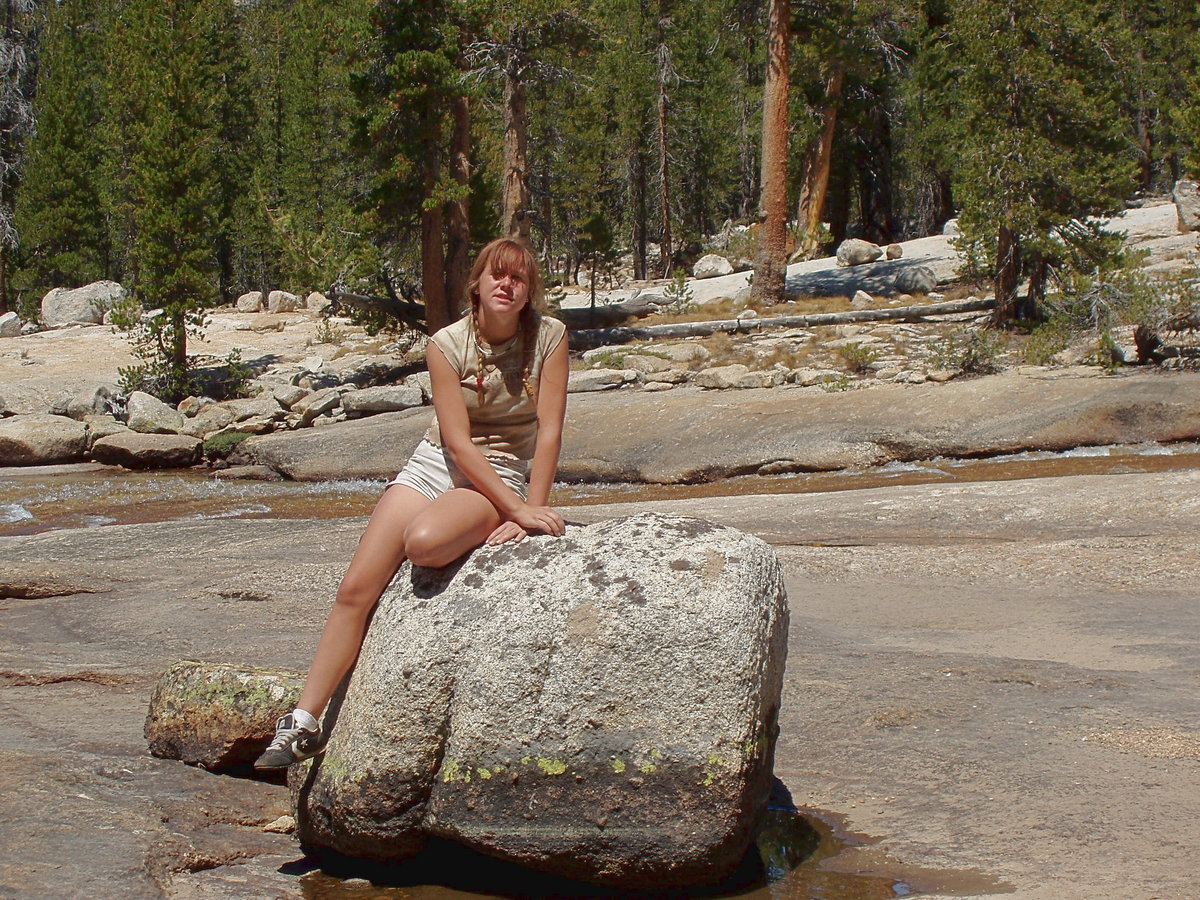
503 294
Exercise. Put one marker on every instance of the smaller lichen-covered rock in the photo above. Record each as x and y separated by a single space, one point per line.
218 717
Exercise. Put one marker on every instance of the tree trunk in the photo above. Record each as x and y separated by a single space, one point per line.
1143 141
178 350
433 257
1008 252
814 178
637 205
546 223
770 268
458 224
665 73
516 189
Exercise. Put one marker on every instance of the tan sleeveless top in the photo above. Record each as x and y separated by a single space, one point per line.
505 425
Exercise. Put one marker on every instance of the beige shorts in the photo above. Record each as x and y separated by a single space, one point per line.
431 472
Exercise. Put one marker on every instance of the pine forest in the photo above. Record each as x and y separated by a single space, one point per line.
193 150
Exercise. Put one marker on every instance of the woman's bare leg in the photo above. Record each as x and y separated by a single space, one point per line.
379 554
405 524
455 523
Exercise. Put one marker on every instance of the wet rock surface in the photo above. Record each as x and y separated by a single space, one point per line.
599 706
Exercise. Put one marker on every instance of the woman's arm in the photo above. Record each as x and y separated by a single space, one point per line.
551 411
455 427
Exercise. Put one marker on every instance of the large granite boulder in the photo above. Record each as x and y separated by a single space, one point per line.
1186 195
251 301
41 440
218 717
283 302
856 252
587 380
98 400
86 305
147 451
149 415
916 280
601 706
385 398
711 265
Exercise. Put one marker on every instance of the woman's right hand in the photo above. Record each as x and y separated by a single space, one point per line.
539 518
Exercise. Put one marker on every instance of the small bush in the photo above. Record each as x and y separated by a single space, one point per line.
219 446
327 333
1044 341
678 293
857 358
971 351
834 383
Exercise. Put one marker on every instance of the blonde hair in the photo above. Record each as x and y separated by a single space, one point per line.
505 256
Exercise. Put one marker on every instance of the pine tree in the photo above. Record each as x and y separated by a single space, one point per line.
171 91
318 181
516 44
1039 146
60 211
406 93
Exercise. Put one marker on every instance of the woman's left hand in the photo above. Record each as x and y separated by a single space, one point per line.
507 531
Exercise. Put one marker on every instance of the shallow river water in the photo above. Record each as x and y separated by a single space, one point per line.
91 496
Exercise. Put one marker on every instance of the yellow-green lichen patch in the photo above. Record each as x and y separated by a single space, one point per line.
551 766
526 760
618 766
451 771
647 768
484 774
334 766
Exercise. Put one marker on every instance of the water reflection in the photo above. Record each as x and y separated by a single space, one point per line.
788 862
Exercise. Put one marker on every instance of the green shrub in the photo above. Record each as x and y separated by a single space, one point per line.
857 358
678 293
219 446
972 351
1044 341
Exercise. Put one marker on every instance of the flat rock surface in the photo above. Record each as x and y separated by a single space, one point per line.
995 679
690 435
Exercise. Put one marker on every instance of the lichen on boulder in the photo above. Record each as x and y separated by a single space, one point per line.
601 706
218 717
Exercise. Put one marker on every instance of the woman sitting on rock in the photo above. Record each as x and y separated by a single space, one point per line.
482 472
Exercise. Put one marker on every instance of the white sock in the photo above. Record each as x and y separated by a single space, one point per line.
304 719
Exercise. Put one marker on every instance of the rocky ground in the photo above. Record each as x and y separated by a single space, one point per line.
993 682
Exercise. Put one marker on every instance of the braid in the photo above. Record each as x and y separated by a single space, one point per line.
479 363
529 325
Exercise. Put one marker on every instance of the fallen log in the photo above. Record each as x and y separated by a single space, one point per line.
584 339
